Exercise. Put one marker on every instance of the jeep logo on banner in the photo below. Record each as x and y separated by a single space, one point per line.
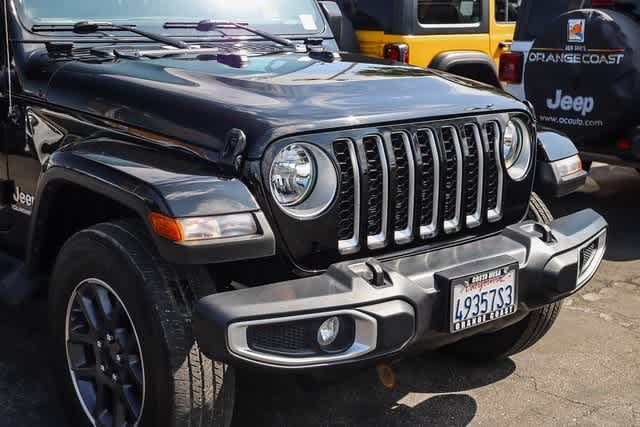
580 104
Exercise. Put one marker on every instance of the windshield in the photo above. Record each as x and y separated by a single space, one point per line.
275 16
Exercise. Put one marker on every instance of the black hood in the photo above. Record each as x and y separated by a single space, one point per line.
199 100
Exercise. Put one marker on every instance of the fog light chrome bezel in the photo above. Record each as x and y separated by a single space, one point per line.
365 340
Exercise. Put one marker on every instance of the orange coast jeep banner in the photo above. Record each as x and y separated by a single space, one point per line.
583 73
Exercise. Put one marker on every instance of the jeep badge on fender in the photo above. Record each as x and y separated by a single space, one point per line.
220 189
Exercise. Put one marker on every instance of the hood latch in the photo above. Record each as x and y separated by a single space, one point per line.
234 145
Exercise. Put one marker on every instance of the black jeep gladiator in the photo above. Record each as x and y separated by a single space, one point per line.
203 187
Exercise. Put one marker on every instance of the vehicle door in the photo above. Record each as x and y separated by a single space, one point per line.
450 25
503 18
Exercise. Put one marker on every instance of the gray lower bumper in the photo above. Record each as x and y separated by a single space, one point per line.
409 304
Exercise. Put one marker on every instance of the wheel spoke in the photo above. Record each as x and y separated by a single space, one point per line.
131 401
119 412
103 303
136 371
117 314
78 335
85 373
104 419
89 311
101 398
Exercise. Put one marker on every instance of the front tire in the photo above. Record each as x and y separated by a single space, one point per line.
519 336
123 348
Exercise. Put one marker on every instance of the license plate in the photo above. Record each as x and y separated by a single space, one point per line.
483 297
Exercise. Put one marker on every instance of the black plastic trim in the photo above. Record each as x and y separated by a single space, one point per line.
554 147
473 65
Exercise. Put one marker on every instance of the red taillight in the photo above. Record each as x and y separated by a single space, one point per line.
511 67
397 52
624 144
598 4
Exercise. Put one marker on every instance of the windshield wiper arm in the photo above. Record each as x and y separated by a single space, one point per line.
88 27
211 25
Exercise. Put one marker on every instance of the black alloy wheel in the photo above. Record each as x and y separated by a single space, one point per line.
104 356
123 348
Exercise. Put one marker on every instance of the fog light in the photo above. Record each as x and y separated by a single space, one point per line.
328 331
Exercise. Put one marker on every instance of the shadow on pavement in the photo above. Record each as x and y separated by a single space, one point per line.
618 199
361 400
27 395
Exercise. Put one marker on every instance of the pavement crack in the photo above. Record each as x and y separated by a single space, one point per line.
591 408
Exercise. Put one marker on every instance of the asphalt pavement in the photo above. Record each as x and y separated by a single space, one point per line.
585 372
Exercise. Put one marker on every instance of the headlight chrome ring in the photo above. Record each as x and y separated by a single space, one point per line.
517 149
293 175
303 180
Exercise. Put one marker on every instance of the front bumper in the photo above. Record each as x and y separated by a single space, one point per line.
401 304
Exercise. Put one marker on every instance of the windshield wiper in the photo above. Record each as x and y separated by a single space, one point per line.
88 27
211 25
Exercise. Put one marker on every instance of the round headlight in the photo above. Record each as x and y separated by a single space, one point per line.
512 144
517 149
293 175
303 180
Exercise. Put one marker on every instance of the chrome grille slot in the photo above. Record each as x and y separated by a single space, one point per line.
494 172
348 197
377 191
452 188
404 194
473 175
415 184
430 183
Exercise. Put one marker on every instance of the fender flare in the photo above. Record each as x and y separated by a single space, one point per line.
146 181
554 147
467 63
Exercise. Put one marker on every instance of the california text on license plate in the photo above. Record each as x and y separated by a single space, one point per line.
483 297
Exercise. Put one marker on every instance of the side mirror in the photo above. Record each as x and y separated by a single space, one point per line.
334 16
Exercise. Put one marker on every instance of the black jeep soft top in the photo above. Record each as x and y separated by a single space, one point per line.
581 71
200 195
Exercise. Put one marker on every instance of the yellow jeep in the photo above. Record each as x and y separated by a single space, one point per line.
465 37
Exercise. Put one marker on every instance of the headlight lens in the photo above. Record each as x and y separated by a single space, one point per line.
293 175
512 144
517 149
303 180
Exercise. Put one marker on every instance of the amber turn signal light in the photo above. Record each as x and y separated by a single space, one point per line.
166 227
203 228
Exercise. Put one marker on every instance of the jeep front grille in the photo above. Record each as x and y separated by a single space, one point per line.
417 184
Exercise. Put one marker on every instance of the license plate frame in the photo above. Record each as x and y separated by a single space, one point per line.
482 280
